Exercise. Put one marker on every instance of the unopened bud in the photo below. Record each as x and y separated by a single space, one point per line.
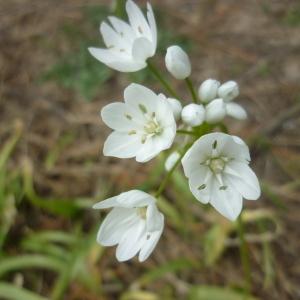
178 62
208 90
215 111
236 111
193 114
228 90
176 107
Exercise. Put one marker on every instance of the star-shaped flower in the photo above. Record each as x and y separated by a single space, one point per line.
128 45
217 166
134 224
143 126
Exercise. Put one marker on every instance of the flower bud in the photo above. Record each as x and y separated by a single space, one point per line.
193 114
176 107
178 62
171 160
228 90
215 111
236 111
208 90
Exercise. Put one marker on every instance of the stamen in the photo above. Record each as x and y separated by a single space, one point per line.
223 188
132 132
143 108
202 187
140 30
214 145
129 117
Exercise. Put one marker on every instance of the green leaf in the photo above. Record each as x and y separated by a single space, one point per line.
11 292
14 263
170 267
205 292
214 242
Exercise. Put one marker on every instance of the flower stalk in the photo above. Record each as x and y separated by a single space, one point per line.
191 89
160 78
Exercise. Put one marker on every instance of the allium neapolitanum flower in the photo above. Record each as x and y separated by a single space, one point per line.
217 166
128 45
134 224
143 126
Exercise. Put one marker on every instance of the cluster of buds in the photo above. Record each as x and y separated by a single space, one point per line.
216 164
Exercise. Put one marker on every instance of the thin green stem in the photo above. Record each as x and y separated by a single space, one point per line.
191 89
160 78
169 174
180 131
244 253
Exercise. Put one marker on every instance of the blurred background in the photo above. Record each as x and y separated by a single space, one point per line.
52 169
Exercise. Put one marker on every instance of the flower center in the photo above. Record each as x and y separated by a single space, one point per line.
141 211
153 127
217 165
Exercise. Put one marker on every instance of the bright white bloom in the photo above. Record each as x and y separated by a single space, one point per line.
217 166
134 224
178 62
215 111
228 90
128 45
143 126
171 160
193 114
208 90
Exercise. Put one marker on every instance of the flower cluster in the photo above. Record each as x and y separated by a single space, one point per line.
146 123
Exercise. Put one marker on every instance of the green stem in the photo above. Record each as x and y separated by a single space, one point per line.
169 174
160 78
180 131
244 253
191 89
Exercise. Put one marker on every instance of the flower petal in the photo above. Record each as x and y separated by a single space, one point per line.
137 20
153 218
137 95
135 198
122 145
243 179
108 203
227 201
151 241
152 24
142 49
123 29
200 183
116 223
120 117
131 241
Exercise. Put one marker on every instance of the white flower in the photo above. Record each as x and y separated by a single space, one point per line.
228 90
208 90
134 224
217 166
171 160
128 45
215 111
193 114
143 126
178 62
